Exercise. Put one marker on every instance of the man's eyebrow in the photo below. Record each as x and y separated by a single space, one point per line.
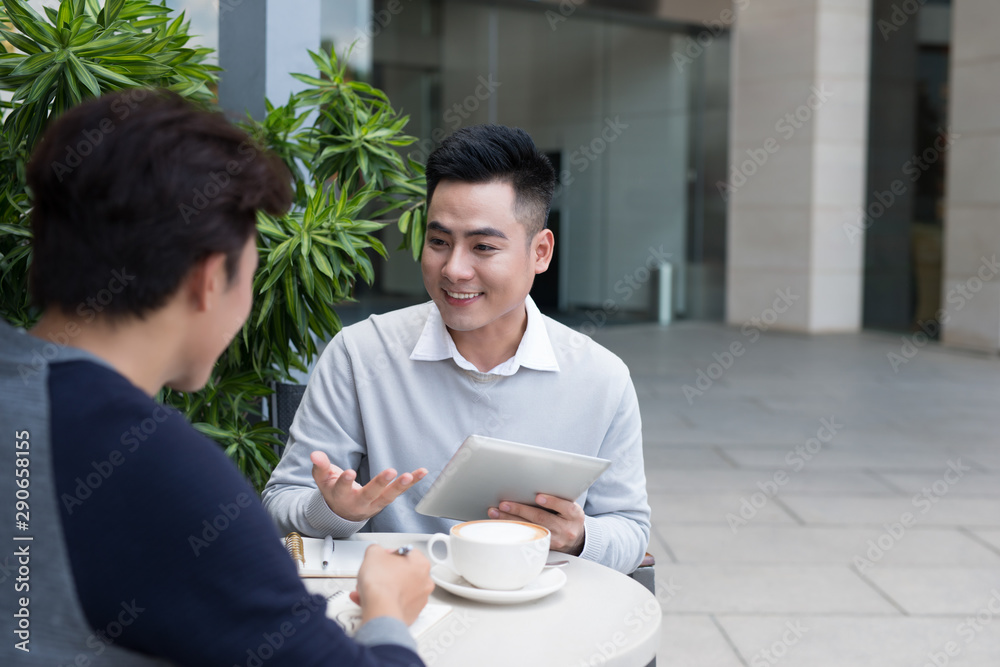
482 231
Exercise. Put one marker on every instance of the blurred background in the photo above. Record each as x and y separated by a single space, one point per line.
755 145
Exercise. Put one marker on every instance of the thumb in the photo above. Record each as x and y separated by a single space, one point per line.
321 467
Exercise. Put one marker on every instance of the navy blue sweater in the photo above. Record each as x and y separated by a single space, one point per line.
171 551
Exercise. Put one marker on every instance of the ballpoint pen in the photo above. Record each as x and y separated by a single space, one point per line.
327 551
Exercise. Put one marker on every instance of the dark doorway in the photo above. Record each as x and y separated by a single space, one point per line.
545 291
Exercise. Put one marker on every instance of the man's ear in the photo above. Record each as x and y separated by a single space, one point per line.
206 280
542 248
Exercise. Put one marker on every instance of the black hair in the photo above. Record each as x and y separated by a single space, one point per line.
142 183
488 153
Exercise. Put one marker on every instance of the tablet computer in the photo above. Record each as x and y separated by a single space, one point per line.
486 470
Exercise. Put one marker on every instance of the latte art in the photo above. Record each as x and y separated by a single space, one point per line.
499 532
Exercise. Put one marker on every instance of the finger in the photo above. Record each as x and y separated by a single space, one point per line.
355 598
371 491
529 513
565 508
394 489
323 471
344 486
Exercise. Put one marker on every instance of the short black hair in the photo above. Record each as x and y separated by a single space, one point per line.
488 153
143 183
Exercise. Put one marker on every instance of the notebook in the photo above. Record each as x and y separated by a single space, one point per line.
308 555
347 614
331 582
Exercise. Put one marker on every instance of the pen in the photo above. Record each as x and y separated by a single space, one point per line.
403 550
327 551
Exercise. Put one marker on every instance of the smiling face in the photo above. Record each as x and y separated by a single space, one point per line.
478 263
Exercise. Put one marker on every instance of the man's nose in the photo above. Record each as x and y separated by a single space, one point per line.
458 267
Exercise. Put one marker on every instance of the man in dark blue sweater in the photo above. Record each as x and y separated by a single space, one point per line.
144 544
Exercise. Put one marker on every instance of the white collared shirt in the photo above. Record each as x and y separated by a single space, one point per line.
534 351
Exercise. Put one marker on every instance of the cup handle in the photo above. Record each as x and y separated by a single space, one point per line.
435 539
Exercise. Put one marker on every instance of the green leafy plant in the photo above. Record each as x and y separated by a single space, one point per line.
339 138
77 51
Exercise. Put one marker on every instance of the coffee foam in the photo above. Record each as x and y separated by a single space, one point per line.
500 532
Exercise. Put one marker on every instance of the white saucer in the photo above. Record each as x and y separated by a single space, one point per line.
549 581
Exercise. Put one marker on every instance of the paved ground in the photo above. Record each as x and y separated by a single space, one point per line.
814 506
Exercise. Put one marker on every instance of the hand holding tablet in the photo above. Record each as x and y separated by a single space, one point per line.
486 471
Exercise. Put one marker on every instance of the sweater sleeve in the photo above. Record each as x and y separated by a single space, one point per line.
617 508
328 420
171 553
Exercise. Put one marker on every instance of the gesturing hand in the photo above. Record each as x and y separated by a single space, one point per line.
564 521
354 502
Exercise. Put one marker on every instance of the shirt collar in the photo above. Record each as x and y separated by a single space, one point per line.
534 351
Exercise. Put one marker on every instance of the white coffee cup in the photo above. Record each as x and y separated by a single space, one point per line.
494 554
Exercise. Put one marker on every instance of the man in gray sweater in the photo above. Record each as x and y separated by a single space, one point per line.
402 391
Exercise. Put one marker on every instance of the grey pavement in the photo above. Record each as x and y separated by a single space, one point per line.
827 500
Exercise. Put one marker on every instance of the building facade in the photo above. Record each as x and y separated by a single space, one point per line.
828 165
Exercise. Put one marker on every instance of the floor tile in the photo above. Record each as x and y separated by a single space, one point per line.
811 483
708 508
694 640
834 457
861 510
672 458
971 483
769 589
943 590
990 536
777 544
825 641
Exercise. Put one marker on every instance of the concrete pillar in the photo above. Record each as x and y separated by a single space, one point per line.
261 43
971 285
798 154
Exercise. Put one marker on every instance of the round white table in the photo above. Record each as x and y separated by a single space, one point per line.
600 617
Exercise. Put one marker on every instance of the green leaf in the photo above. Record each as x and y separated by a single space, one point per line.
27 21
34 64
112 77
21 42
212 431
81 72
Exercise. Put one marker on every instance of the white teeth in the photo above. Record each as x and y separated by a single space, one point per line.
461 295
